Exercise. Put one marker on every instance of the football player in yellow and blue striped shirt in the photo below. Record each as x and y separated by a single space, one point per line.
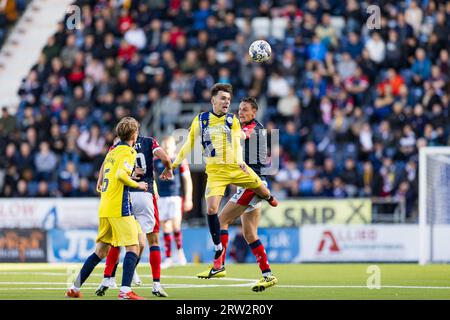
220 134
117 225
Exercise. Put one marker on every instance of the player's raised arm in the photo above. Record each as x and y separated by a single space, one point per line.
187 185
187 147
167 174
100 178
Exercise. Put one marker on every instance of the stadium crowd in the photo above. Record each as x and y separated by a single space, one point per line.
352 105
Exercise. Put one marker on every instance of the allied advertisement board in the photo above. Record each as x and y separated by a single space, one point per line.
359 243
23 245
295 213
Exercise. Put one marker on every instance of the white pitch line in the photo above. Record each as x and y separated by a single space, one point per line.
359 287
190 286
100 275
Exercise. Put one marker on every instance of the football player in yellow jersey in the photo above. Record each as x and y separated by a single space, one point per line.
117 225
220 134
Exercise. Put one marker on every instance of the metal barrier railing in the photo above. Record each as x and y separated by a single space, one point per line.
388 209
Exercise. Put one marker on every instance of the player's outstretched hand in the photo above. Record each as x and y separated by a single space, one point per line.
166 175
143 186
137 174
243 167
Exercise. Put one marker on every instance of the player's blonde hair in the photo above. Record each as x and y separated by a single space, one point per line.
126 128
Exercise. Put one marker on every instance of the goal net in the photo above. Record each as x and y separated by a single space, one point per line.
434 204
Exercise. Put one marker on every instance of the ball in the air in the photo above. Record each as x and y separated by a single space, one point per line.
260 51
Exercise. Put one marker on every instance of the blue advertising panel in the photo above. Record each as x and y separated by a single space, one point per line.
282 245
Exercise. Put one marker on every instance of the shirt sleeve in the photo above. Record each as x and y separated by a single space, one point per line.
189 144
155 146
184 167
125 168
236 138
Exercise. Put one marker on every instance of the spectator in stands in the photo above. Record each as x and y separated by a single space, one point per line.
290 138
353 45
351 178
90 143
339 188
307 177
317 50
68 180
288 178
346 67
354 97
25 158
21 190
421 67
43 190
7 123
376 48
45 162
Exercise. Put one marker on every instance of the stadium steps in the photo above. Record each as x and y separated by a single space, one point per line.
24 45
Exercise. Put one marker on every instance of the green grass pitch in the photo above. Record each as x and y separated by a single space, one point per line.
296 282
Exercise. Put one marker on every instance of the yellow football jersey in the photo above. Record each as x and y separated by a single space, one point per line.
220 137
115 196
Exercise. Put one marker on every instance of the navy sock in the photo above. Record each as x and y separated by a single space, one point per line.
137 261
129 264
214 228
87 268
113 273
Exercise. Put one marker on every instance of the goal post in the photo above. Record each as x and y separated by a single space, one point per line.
434 202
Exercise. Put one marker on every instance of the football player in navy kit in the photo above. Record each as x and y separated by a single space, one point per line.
171 205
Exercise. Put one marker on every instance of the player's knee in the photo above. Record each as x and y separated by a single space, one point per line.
101 251
213 210
250 236
153 239
134 249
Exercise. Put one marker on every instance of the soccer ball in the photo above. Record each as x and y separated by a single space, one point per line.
260 51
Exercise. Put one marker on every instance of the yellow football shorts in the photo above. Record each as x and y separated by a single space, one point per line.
120 231
221 175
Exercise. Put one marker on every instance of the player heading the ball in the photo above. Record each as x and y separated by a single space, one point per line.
220 134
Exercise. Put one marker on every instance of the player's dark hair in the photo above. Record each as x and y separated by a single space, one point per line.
126 128
221 87
251 101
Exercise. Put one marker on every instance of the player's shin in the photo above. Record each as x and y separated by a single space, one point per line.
224 241
112 260
214 229
155 262
261 257
129 265
178 239
168 244
88 266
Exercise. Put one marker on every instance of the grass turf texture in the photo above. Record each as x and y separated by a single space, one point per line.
296 282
